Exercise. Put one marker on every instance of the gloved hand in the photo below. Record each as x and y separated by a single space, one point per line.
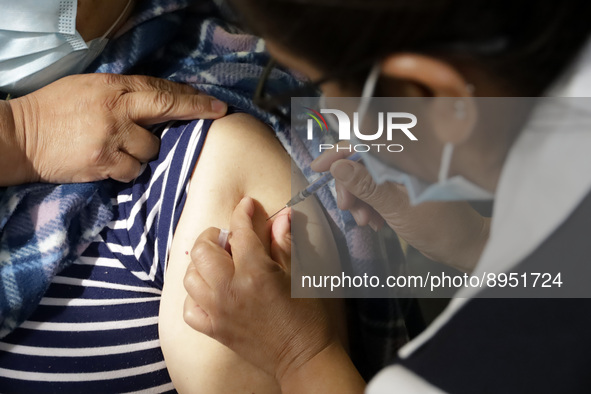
449 232
91 127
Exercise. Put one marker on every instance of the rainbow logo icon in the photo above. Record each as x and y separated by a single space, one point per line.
318 117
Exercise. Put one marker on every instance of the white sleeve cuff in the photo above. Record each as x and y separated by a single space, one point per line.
396 379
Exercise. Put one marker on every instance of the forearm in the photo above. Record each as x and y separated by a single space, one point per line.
14 166
330 371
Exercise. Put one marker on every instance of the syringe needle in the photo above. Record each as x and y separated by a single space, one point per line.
276 212
313 187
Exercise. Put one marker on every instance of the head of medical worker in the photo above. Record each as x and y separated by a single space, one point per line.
50 40
458 49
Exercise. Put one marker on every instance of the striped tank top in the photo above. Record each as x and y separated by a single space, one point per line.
96 329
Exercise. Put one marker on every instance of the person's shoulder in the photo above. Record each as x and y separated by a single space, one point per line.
241 130
247 151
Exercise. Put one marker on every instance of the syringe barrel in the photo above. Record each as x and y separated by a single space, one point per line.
317 184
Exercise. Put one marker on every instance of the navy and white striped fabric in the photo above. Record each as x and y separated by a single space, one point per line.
96 329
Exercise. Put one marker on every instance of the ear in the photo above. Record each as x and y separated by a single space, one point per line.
453 109
432 75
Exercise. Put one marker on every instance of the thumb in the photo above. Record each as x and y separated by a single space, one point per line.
245 244
357 180
242 215
281 240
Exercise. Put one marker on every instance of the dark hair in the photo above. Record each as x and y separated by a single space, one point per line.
525 44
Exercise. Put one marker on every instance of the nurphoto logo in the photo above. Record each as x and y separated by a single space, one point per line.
389 122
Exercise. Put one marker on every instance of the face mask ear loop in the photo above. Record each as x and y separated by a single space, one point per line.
368 90
117 21
448 150
372 80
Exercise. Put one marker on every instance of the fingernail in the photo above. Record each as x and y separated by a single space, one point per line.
379 223
141 171
289 221
284 223
373 226
342 171
313 164
218 106
248 204
355 215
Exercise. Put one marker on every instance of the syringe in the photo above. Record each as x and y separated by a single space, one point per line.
313 187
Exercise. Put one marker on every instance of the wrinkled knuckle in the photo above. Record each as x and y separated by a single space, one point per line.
100 155
121 169
398 197
159 84
188 315
200 104
100 160
116 130
139 82
190 282
199 252
367 187
110 103
164 101
108 79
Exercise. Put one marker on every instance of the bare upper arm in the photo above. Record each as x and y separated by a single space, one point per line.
240 157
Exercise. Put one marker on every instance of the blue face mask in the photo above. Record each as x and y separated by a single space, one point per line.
39 44
456 188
